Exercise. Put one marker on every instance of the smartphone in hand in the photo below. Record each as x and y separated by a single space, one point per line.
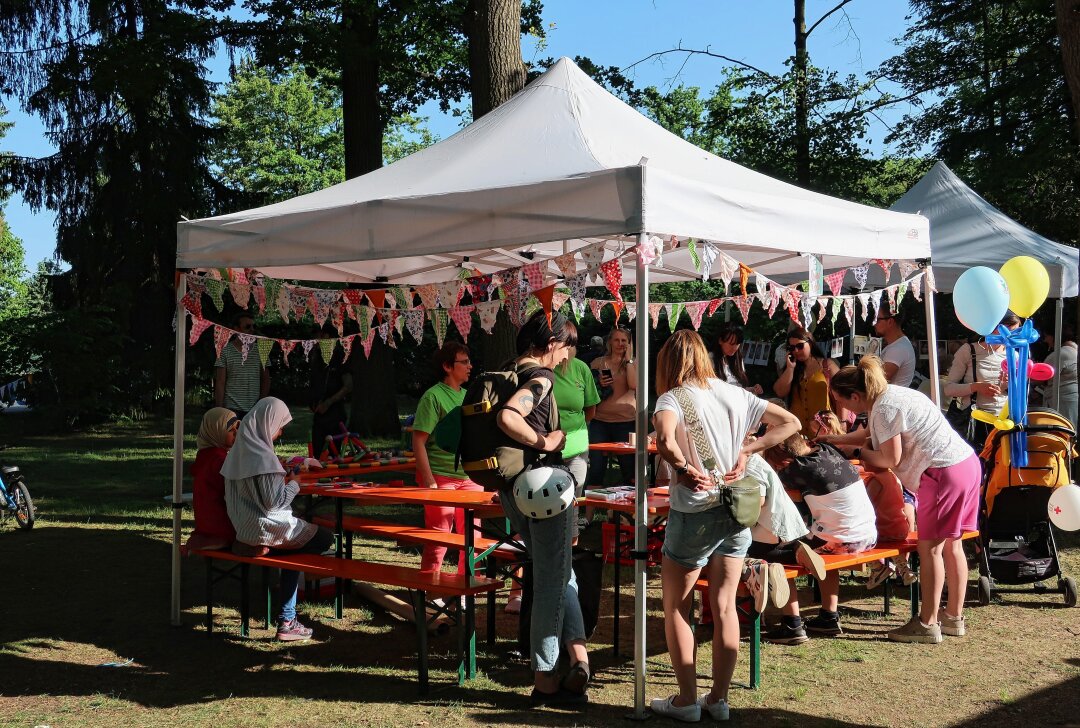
605 372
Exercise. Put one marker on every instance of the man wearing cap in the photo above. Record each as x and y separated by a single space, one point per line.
898 354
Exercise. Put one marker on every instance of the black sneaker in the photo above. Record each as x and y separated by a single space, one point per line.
826 626
782 634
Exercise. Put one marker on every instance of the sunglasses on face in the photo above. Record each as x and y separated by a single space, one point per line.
796 347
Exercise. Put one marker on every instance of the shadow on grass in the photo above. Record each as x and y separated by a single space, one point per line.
1058 705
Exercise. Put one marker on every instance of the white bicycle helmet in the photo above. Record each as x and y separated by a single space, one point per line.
543 492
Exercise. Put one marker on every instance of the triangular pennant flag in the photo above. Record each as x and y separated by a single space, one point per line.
916 287
376 298
931 284
324 301
214 289
804 308
876 298
283 303
836 281
709 253
544 296
534 275
449 294
713 305
531 306
595 304
398 322
298 304
195 283
837 304
618 307
654 313
346 346
271 287
260 297
849 310
307 345
691 246
479 286
429 295
567 264
631 310
744 303
370 339
822 309
696 309
221 337
286 348
593 255
354 296
728 268
265 346
246 340
744 279
488 312
775 294
864 303
792 297
337 316
674 311
384 332
651 252
193 302
367 316
907 267
891 293
439 321
403 296
860 275
198 326
326 348
886 267
901 289
558 298
462 318
576 284
612 272
414 322
761 283
241 294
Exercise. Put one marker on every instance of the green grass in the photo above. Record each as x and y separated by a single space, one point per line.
90 585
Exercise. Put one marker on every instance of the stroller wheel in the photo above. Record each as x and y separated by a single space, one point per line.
1068 588
984 590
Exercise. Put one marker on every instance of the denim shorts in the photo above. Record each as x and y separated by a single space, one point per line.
691 539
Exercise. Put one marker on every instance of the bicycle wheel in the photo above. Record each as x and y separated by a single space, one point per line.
24 506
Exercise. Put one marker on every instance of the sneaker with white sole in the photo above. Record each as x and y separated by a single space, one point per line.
779 591
717 711
880 574
757 583
916 631
903 570
953 626
783 634
292 631
666 707
810 560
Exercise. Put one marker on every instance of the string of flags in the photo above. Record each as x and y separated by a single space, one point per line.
523 290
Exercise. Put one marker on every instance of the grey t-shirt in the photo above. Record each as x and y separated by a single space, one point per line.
902 354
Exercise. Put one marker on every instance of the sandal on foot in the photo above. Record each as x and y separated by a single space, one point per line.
577 678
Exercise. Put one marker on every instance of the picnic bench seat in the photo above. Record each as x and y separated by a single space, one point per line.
421 536
420 583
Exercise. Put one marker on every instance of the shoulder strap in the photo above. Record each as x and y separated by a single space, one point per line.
971 365
693 427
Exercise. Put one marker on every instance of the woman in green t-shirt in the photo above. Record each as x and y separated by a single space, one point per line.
434 466
577 397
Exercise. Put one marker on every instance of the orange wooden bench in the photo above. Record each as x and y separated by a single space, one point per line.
420 536
421 584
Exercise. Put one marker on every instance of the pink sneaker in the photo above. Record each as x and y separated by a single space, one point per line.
293 631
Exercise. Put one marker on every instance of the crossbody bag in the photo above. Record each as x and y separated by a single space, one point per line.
743 497
960 417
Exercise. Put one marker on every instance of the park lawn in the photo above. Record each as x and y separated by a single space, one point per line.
88 587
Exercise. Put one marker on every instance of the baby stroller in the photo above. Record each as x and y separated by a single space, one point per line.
1016 542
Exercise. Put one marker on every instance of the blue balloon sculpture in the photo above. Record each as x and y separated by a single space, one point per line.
1017 345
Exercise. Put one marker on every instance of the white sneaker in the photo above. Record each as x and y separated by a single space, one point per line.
779 590
879 574
718 710
757 583
952 626
903 570
686 713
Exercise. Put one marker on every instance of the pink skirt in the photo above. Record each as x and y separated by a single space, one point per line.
949 500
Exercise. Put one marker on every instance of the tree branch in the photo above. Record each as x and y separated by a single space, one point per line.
826 15
702 52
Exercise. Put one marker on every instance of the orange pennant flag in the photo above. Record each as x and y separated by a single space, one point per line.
543 295
744 277
618 306
377 300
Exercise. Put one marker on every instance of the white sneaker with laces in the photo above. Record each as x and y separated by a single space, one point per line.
905 573
666 707
757 583
880 573
718 710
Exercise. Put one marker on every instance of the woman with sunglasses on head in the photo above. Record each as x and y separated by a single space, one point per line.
975 379
804 383
613 421
729 358
435 467
217 433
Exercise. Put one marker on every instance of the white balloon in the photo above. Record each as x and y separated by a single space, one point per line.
1064 507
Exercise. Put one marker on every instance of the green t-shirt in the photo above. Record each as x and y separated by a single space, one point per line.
574 391
435 404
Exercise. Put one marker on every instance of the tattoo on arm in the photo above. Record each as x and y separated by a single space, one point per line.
530 395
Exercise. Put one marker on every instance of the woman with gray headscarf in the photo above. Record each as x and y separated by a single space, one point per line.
259 500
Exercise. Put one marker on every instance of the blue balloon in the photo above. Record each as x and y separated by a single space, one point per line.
980 299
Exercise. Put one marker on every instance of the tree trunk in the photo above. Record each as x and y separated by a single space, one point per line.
802 103
496 72
374 398
1068 24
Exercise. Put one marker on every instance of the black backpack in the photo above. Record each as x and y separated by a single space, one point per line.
487 454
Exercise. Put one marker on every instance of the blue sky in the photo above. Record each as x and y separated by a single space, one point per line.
612 33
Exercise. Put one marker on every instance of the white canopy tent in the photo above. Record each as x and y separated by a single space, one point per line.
561 165
969 231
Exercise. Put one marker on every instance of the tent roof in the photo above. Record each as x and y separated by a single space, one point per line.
561 164
969 231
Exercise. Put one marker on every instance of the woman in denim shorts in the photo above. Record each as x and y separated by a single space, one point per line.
701 534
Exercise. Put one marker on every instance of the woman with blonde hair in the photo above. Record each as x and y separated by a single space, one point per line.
909 434
701 532
614 418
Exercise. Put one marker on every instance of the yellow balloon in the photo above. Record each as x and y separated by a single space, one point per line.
983 416
1000 422
1029 284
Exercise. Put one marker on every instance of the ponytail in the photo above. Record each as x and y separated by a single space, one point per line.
868 379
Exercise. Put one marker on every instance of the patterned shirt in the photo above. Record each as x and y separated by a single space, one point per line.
243 379
260 509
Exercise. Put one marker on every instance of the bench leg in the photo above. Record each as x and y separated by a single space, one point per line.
617 582
888 595
339 540
470 631
266 593
420 615
915 585
755 652
491 570
245 599
209 597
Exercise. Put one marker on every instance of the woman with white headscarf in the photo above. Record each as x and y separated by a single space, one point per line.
259 500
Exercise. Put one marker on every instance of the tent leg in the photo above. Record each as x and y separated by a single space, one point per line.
641 454
1059 312
931 336
178 445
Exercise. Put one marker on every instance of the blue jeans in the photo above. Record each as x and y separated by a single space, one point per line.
610 432
556 612
290 580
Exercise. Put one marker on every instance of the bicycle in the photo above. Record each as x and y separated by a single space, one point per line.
15 498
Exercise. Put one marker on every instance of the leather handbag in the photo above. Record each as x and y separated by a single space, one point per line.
742 498
960 417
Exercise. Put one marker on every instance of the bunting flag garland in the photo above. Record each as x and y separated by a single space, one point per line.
260 297
860 272
558 298
886 267
744 303
836 305
576 284
346 346
775 294
691 247
429 295
214 289
612 273
708 259
744 279
728 268
534 275
397 320
439 323
674 311
875 297
265 346
892 299
326 348
931 284
849 310
298 305
696 309
462 318
246 340
489 311
414 322
631 310
595 305
654 313
370 339
198 326
761 283
566 264
864 302
307 345
822 309
221 337
546 297
193 302
836 281
715 304
907 267
241 293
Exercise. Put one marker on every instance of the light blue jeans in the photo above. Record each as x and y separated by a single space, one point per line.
556 612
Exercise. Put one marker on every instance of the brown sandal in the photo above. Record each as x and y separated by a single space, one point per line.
577 678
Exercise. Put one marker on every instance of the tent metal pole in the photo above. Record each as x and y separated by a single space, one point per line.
931 336
641 454
1059 312
178 445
